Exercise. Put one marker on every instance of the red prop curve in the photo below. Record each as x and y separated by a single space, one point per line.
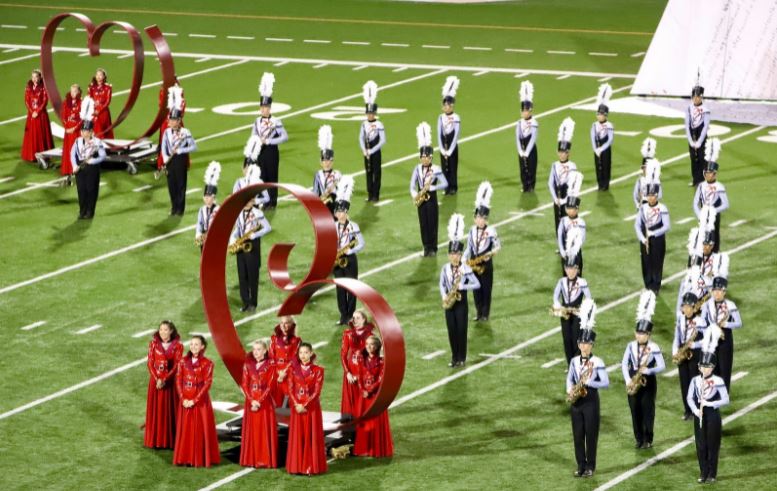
216 305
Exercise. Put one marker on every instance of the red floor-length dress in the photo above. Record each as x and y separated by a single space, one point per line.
102 94
354 341
259 442
306 452
165 123
196 442
71 115
283 349
373 437
37 130
161 404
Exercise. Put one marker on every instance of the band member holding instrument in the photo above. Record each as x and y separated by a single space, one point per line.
694 282
351 357
559 171
455 279
642 360
373 437
482 244
602 136
710 192
448 129
706 395
372 137
164 352
271 132
724 313
697 123
259 437
252 174
587 374
569 294
71 119
307 449
686 347
173 97
639 195
37 129
325 181
245 243
177 144
210 207
711 261
284 344
87 154
349 243
102 92
526 138
572 220
651 225
426 180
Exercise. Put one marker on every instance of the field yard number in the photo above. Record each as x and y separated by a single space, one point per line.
770 138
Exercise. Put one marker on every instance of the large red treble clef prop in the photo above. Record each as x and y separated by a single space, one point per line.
214 289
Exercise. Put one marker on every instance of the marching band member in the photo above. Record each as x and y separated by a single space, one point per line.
569 294
651 226
711 192
639 194
724 313
354 342
694 280
455 279
245 243
526 138
559 171
284 344
71 118
101 92
37 129
482 244
697 123
372 137
252 173
177 144
710 259
325 181
448 129
173 94
307 449
426 180
373 437
587 374
706 395
196 442
259 437
87 154
349 243
164 353
210 207
686 347
572 220
602 136
642 360
271 132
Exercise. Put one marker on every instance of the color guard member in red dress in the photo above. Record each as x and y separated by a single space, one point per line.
373 437
259 442
164 353
354 341
71 115
283 349
102 92
37 130
196 442
307 450
172 95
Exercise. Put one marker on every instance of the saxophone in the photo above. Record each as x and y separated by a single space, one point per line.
198 241
178 140
328 195
722 317
423 195
88 151
478 263
579 390
638 380
698 305
453 295
342 259
243 244
564 312
685 353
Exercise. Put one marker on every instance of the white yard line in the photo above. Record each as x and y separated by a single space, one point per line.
31 187
395 45
585 213
322 65
320 344
279 40
435 46
683 221
554 362
170 34
596 53
682 444
29 327
477 74
89 329
491 355
360 67
400 69
142 188
20 58
281 63
10 50
205 36
557 52
521 75
738 376
193 190
12 26
384 202
604 79
476 48
622 132
355 43
737 223
143 334
630 218
242 38
637 55
519 50
128 55
563 77
433 354
614 367
316 41
672 373
202 60
7 178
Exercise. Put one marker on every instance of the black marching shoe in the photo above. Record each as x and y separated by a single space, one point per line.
243 308
701 479
578 473
687 416
647 445
588 473
711 480
476 318
453 364
638 445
